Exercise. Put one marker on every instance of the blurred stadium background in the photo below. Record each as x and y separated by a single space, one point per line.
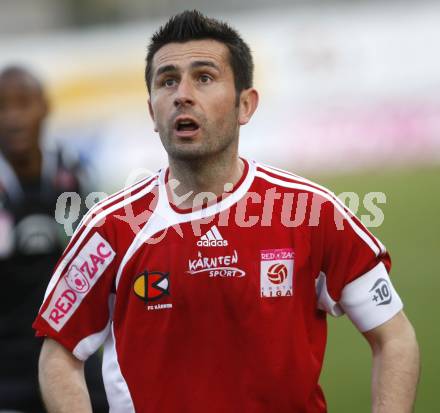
350 95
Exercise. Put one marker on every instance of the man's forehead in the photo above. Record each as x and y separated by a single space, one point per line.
22 81
181 53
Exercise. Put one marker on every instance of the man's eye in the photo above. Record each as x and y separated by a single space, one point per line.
169 82
205 79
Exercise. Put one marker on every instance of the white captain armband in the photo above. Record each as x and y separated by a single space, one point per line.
371 299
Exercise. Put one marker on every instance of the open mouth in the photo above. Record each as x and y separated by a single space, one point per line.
185 126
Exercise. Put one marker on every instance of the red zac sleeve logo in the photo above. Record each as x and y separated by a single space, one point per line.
78 280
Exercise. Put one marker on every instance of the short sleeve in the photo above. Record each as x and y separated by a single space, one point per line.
77 305
354 274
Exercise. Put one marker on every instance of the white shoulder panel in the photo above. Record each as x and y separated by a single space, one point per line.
90 344
325 302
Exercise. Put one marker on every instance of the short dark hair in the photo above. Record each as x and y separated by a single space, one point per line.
15 70
193 25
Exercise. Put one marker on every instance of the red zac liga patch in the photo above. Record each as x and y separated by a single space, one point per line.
151 285
276 272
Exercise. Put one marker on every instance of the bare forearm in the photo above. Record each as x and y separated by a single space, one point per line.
395 376
62 381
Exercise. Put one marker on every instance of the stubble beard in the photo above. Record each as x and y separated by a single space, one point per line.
216 139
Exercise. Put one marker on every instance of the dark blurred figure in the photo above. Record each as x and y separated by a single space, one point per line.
31 241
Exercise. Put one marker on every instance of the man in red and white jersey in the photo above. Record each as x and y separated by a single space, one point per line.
208 284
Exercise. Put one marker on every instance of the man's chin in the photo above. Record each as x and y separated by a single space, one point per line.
188 151
18 145
18 153
195 150
188 154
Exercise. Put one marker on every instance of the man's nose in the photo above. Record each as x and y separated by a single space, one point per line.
184 94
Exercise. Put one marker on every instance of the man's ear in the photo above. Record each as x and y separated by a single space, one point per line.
247 105
150 109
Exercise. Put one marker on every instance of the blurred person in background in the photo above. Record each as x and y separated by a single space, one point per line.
211 309
31 241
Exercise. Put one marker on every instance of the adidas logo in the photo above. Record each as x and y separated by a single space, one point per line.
212 238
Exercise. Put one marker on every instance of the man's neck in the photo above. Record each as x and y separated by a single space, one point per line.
190 180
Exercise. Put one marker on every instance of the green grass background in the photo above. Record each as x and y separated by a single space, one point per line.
411 233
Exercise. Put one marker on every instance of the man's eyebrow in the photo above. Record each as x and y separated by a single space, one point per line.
196 64
167 68
201 63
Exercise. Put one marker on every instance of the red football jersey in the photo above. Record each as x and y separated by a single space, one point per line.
217 309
